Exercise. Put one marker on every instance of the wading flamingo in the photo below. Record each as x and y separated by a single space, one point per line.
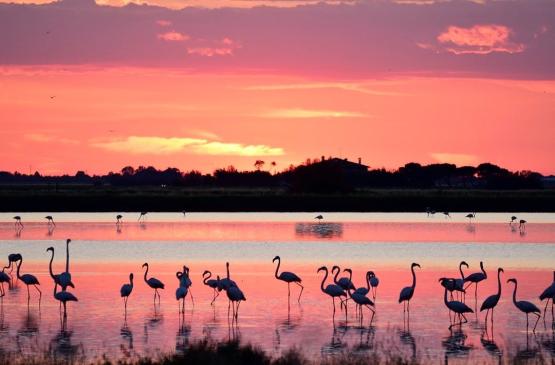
525 307
459 308
408 291
50 220
126 290
549 294
212 283
57 277
476 278
288 277
491 302
63 297
333 290
28 280
153 283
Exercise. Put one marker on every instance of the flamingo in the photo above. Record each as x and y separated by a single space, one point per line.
18 221
142 216
408 291
522 224
153 283
234 294
50 220
126 290
513 219
185 280
118 219
491 302
28 280
63 297
288 277
470 216
12 259
476 278
525 307
333 290
319 217
364 290
549 294
212 283
362 300
458 307
447 215
57 277
181 291
226 282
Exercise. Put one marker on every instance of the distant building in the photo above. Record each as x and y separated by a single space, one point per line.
344 165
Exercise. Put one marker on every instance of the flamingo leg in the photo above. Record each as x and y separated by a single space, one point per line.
486 320
192 299
28 294
537 320
333 300
301 293
526 322
545 309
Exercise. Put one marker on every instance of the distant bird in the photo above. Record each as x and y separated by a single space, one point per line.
549 294
118 218
153 283
476 278
446 214
18 221
522 224
235 295
126 290
50 220
63 297
289 278
56 277
184 213
212 283
374 282
513 219
408 291
525 307
181 291
52 96
226 282
333 290
491 302
459 308
28 280
142 216
470 216
319 217
65 277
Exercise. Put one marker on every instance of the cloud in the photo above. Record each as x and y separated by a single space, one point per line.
479 39
174 36
224 47
459 159
346 86
171 145
307 113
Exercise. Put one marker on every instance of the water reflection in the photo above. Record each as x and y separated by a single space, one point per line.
319 230
455 344
182 335
127 335
62 346
407 339
491 346
336 344
50 230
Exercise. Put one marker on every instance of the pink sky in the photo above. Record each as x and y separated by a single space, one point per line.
95 88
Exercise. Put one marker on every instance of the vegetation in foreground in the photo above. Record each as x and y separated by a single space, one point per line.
208 352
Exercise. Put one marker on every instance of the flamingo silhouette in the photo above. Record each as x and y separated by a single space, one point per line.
50 220
153 283
491 302
181 291
226 282
408 291
57 277
470 216
522 224
235 295
288 277
65 277
126 290
18 221
212 283
63 297
142 216
459 308
374 282
333 290
513 219
319 217
476 278
4 278
118 219
28 280
525 306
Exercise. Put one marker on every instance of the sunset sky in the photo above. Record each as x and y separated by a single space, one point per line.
204 84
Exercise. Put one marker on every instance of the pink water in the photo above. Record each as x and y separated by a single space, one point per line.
102 258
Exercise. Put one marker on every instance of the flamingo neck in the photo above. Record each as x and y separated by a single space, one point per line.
227 270
206 277
67 256
514 293
460 269
146 273
367 281
445 295
18 266
484 271
277 267
413 277
336 274
324 280
498 283
50 266
131 281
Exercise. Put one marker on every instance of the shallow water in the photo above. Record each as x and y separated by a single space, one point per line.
102 257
